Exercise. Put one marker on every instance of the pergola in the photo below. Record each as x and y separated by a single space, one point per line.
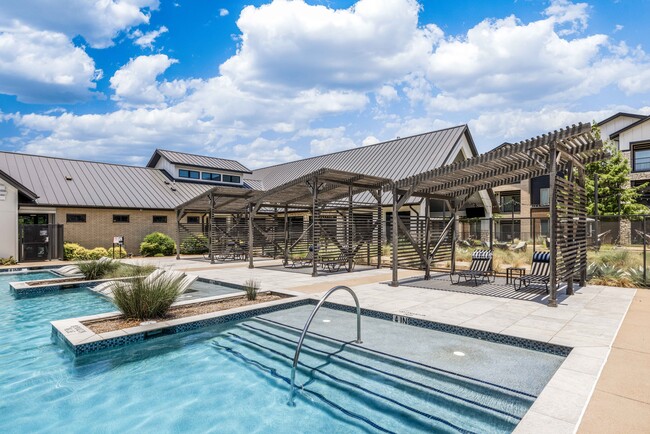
315 193
561 154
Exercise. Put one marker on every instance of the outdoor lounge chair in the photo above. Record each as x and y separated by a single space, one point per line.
539 272
106 288
68 270
520 247
481 267
335 263
301 262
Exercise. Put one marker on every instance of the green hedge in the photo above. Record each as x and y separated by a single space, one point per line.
157 243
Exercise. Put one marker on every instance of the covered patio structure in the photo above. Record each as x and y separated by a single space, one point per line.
337 215
561 154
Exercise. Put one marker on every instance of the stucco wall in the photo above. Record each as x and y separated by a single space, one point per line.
8 220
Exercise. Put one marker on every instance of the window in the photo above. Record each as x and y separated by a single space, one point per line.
193 220
510 202
544 196
207 176
120 218
160 219
75 218
191 174
231 178
641 158
510 229
543 227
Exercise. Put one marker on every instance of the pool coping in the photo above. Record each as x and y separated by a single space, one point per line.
24 288
81 340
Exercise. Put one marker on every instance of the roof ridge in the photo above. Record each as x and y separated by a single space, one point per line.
363 147
629 127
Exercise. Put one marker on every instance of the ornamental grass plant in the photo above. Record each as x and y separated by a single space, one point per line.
93 270
144 299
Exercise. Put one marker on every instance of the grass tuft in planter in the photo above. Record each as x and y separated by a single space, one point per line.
251 287
143 299
93 270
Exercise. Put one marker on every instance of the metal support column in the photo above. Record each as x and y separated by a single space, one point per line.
380 228
179 213
314 214
286 236
250 235
210 237
395 279
427 240
454 234
350 228
552 302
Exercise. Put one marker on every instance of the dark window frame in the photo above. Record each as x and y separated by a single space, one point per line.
231 179
189 174
195 220
75 218
159 219
504 205
641 146
121 218
211 176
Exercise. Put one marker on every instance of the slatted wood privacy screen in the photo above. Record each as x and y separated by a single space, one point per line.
415 248
571 229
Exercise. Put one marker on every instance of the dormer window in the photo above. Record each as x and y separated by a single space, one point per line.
208 176
190 174
232 178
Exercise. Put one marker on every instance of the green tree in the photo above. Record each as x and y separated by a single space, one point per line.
613 180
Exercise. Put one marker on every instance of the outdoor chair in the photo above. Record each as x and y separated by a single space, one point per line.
540 271
481 267
335 264
301 262
106 288
68 270
520 247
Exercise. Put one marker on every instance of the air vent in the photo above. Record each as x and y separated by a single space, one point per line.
68 178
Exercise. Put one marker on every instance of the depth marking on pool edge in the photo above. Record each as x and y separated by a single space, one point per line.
400 319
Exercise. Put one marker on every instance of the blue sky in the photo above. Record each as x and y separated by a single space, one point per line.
270 81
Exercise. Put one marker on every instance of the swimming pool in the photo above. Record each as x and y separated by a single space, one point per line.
233 377
24 276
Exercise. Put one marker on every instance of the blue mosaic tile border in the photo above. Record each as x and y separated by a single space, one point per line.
26 268
31 291
544 347
121 341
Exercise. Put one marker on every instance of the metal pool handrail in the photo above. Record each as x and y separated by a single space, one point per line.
296 356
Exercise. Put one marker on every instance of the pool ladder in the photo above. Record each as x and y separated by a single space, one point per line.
296 356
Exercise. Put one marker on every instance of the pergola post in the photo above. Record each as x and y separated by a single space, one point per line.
350 230
427 236
179 214
286 236
454 234
314 212
210 237
395 279
379 229
250 235
552 302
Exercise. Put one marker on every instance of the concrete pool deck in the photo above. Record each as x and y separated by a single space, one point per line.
589 322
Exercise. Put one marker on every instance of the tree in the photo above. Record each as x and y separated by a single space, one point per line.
613 180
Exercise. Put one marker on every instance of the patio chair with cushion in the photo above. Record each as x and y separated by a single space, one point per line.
540 272
106 288
520 247
301 262
481 267
68 270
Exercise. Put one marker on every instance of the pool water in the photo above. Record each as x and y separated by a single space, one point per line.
233 378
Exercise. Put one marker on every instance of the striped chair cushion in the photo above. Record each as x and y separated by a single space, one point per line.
541 264
481 260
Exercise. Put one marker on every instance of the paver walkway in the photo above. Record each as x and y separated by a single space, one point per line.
621 400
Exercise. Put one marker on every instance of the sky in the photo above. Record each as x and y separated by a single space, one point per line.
264 82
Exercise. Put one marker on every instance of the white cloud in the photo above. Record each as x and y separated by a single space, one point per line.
98 21
564 11
370 140
223 12
42 66
262 152
386 94
295 45
146 40
135 83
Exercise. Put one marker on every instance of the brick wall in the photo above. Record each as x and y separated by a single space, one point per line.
99 229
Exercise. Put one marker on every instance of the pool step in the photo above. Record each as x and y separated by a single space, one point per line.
367 382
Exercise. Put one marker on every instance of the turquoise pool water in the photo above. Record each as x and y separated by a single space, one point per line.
233 378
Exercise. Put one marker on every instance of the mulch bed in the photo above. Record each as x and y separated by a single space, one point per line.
112 324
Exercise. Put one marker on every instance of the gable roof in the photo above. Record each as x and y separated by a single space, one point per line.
64 182
618 115
18 186
200 161
629 127
394 159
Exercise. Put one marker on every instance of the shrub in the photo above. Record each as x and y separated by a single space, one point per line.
119 253
76 252
96 253
70 251
130 270
158 255
93 270
636 276
8 261
142 299
194 245
157 242
609 275
251 287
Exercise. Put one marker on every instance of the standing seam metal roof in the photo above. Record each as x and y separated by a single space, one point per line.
395 159
198 161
